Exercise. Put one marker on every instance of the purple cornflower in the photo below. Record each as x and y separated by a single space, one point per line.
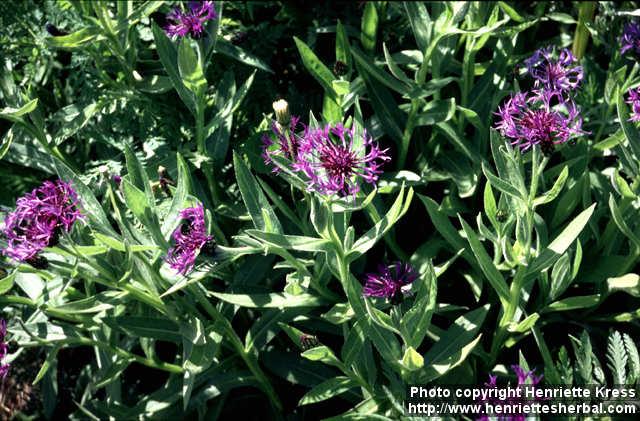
333 158
190 21
555 76
39 219
282 143
526 379
630 38
189 238
390 282
634 100
529 119
4 349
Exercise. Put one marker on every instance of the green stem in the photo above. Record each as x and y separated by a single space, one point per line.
581 38
406 136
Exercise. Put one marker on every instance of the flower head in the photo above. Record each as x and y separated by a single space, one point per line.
634 100
334 158
4 349
529 119
190 21
39 218
525 378
630 39
281 142
189 238
390 281
556 76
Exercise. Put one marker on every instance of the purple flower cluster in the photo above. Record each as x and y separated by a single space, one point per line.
547 115
189 238
634 100
529 120
526 379
554 76
390 282
4 349
630 39
333 158
282 142
39 219
190 21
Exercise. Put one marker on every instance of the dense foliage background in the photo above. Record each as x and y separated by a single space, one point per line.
525 257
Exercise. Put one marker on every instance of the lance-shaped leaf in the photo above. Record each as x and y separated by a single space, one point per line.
273 300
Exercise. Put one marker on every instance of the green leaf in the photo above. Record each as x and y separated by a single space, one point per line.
560 244
228 49
418 319
617 358
169 58
262 215
75 39
293 242
6 283
327 390
490 271
436 111
454 344
139 204
323 354
318 70
172 219
338 314
190 69
620 222
146 327
380 75
138 175
525 325
5 144
342 45
273 300
574 303
420 22
555 189
74 120
369 27
502 185
371 237
15 114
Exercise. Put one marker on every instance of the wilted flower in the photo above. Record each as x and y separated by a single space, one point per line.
634 100
630 38
39 219
4 349
190 21
334 158
189 238
390 282
529 119
554 76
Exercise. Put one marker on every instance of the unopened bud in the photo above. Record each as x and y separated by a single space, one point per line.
281 108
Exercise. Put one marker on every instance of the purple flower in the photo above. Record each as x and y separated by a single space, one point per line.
529 119
634 100
39 219
525 378
190 21
334 158
116 179
281 143
189 238
630 38
556 76
390 281
4 349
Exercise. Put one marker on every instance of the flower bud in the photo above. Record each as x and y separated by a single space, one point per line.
281 108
